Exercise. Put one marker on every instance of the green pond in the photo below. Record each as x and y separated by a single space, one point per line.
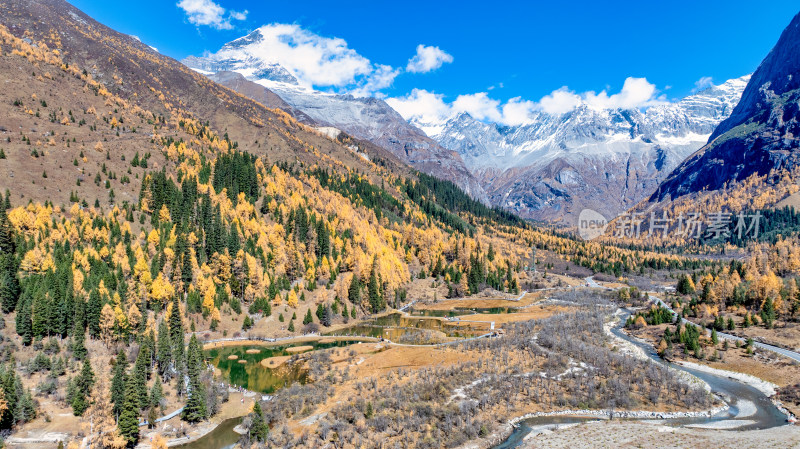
395 325
461 312
254 376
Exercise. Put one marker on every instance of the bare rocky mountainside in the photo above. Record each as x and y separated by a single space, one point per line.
366 118
759 137
135 72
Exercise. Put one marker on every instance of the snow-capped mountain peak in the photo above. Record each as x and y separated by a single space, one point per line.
606 158
366 118
248 56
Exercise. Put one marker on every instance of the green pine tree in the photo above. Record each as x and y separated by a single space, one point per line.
9 291
118 381
128 422
40 321
259 429
373 287
768 313
354 291
139 375
176 336
195 409
93 309
164 351
23 321
156 393
86 376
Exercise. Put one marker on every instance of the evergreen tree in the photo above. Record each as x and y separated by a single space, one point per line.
9 291
685 285
85 379
139 375
194 358
373 287
354 291
128 422
156 393
164 352
118 381
258 429
78 330
26 409
320 311
176 336
308 318
327 316
323 239
768 313
93 311
40 321
81 386
7 240
195 409
23 321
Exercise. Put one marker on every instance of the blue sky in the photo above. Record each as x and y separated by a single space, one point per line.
489 52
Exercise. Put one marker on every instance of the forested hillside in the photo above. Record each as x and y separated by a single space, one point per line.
172 227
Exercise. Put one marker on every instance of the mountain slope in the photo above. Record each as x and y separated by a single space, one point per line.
761 133
249 89
607 160
365 118
136 73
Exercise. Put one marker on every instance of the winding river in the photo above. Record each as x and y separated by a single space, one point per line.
748 408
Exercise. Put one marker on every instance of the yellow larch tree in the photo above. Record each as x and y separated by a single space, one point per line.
108 319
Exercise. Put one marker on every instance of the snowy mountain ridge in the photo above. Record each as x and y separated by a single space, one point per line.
606 159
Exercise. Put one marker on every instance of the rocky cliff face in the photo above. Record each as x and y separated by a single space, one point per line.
607 160
760 135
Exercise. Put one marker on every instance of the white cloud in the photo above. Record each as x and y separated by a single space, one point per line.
429 107
560 101
702 84
635 93
381 77
421 105
479 106
517 111
208 13
326 62
313 59
427 59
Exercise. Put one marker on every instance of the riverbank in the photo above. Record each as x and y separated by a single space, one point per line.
603 415
237 406
648 435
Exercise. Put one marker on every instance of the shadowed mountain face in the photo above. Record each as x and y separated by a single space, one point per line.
760 135
365 118
606 160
